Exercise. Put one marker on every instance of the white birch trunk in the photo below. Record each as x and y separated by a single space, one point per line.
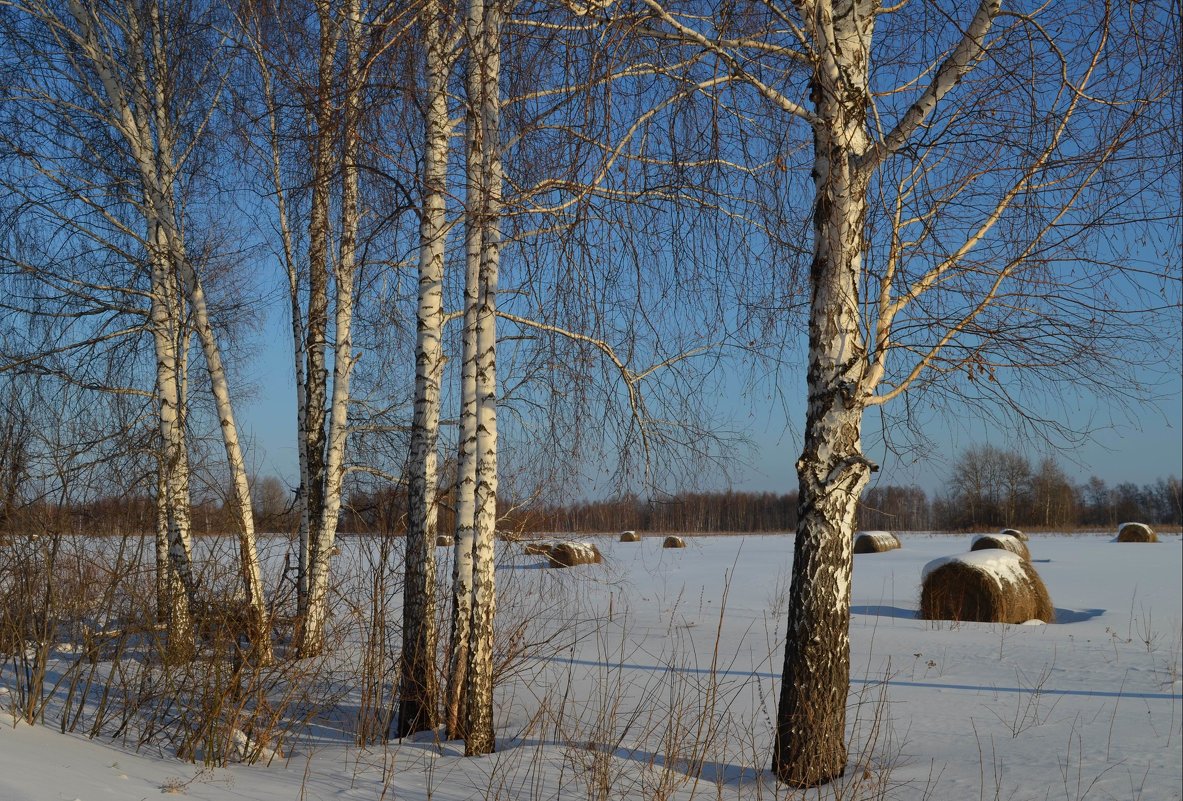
811 726
465 474
832 471
343 357
311 620
418 692
484 25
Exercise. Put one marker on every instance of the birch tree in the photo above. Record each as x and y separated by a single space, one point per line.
418 690
960 159
121 63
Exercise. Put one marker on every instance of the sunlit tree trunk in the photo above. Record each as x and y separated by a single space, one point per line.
418 691
832 471
465 478
483 81
324 533
316 338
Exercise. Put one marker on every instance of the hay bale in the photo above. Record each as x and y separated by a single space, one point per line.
539 547
1136 532
570 554
987 586
875 542
1003 542
673 542
630 536
445 541
1014 532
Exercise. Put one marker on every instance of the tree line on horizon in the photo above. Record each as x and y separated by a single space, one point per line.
987 488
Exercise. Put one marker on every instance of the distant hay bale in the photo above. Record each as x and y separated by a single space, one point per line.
986 586
570 554
630 536
445 541
1136 532
1014 532
1003 542
875 542
673 542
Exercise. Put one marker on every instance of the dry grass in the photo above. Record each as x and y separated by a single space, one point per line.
673 542
445 541
1136 532
630 536
1003 542
967 592
1014 532
875 542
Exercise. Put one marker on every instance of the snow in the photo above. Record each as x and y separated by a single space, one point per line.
1004 566
669 659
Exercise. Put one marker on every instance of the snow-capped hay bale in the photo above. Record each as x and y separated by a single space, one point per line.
570 554
1014 532
673 542
987 586
630 536
538 547
445 541
1136 532
875 542
1003 542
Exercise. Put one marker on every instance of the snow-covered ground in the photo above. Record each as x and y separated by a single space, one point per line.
655 675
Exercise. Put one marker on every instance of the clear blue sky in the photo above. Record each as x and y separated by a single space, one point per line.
1139 451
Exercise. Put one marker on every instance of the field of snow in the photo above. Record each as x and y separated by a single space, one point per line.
655 676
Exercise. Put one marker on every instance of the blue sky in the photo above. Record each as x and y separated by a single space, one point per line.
1140 447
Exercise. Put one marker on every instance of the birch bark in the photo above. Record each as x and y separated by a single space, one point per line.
483 79
418 692
312 641
832 471
316 335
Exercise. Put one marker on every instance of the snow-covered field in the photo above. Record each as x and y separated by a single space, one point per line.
655 675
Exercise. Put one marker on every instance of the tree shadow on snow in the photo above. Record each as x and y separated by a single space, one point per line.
1077 615
880 610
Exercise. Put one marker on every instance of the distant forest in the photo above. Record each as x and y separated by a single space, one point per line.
987 488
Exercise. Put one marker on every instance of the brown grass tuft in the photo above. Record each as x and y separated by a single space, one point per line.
673 542
1014 532
538 548
1003 542
630 536
1136 532
875 542
965 591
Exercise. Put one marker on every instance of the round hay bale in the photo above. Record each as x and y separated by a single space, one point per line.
987 586
1136 532
673 542
630 536
570 554
445 541
1014 532
539 547
875 542
1003 542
